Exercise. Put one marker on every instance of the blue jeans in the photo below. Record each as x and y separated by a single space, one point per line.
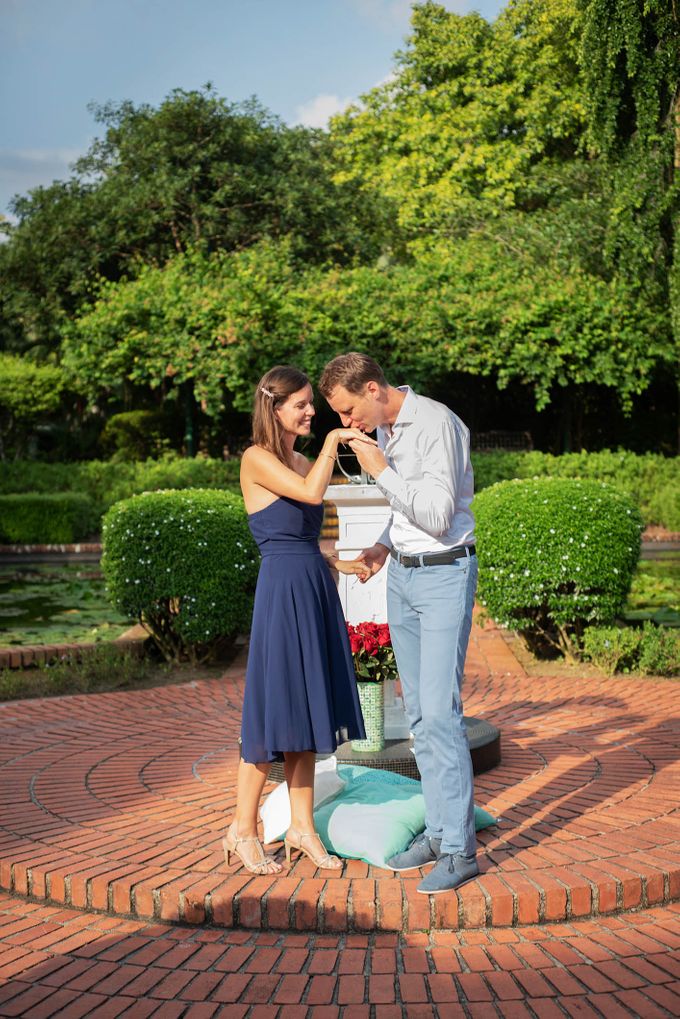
429 610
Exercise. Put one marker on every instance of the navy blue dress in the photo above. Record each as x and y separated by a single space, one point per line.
300 688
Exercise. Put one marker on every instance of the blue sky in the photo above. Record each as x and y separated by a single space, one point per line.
303 59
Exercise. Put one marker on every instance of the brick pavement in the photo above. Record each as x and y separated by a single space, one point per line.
57 962
117 803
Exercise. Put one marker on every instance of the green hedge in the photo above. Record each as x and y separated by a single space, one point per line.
555 555
651 480
37 517
653 650
183 564
107 482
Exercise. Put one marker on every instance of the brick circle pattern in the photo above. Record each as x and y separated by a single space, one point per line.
117 803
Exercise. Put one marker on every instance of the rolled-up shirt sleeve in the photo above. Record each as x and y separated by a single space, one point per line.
430 502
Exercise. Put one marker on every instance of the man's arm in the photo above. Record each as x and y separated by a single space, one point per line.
430 502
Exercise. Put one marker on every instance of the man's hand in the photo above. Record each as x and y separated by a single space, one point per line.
356 567
371 458
374 557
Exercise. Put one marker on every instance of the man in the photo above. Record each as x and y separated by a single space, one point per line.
422 466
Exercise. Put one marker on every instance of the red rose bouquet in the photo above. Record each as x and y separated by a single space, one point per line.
372 652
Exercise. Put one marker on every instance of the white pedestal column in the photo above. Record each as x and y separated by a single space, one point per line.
363 513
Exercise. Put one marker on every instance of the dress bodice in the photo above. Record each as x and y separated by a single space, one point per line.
287 525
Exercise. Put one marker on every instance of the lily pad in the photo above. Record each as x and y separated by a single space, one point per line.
48 604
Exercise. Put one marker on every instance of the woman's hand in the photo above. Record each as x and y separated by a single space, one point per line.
353 567
352 434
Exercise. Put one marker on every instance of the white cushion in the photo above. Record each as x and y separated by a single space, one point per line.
275 811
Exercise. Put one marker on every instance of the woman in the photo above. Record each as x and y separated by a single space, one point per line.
300 696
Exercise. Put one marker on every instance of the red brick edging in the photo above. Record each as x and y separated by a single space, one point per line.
72 548
27 655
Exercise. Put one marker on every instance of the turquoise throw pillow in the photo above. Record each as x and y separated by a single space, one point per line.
376 815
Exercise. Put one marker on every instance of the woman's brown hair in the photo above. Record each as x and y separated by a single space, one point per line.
273 389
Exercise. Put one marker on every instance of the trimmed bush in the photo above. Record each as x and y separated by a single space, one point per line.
555 555
641 476
653 650
612 648
107 481
183 564
48 519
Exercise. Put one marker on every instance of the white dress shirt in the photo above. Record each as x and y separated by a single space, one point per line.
428 481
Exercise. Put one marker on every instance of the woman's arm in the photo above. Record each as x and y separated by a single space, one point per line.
261 468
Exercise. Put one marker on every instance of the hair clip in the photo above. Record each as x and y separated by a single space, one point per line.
266 392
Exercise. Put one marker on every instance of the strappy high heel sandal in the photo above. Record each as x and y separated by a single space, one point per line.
323 860
230 844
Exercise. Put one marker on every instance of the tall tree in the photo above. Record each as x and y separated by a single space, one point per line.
631 61
471 109
197 172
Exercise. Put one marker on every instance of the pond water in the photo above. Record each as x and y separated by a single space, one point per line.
55 603
655 592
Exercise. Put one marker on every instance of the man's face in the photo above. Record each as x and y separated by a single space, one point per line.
362 410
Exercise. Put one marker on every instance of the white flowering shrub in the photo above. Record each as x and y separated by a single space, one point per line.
184 565
555 555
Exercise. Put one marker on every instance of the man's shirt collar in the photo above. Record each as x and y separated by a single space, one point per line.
409 408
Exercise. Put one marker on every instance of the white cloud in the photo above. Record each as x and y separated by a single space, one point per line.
17 158
23 169
386 13
318 111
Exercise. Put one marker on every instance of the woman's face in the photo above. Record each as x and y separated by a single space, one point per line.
295 415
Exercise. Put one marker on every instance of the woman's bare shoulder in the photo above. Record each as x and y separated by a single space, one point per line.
256 454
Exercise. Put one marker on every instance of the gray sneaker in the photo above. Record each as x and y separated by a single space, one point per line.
422 850
450 872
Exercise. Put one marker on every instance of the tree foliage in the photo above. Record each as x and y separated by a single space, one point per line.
215 321
471 109
631 58
504 206
28 392
197 172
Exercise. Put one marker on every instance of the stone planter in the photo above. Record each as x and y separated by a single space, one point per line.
372 700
